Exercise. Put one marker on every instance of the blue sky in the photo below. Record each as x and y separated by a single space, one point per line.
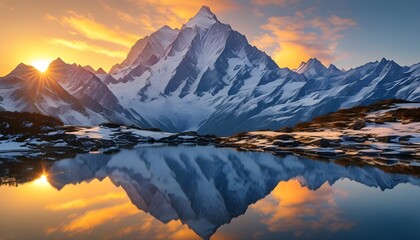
382 28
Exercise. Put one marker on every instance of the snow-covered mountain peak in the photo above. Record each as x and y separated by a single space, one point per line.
204 19
100 71
144 53
391 62
333 70
167 28
132 55
304 65
333 67
314 63
89 68
165 35
57 63
22 69
21 66
384 60
301 66
313 68
205 12
386 64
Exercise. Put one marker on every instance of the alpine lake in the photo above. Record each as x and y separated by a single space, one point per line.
159 191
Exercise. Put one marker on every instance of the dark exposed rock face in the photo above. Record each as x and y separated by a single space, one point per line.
357 125
15 123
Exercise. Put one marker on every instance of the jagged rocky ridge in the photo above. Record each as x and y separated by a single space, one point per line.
204 77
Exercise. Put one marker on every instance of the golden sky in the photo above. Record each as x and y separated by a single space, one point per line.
100 32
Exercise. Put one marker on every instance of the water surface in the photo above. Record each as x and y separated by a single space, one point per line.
192 192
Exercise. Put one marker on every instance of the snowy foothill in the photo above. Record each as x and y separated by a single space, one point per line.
384 133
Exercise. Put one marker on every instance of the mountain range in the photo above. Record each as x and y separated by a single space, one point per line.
204 77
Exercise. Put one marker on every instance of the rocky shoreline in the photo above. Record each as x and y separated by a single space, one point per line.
386 134
65 142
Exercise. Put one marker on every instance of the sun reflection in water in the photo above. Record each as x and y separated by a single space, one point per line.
42 181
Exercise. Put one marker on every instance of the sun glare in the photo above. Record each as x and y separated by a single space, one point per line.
41 65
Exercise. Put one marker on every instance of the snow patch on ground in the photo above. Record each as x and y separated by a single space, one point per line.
11 146
100 132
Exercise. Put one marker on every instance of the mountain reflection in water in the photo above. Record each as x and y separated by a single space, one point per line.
207 187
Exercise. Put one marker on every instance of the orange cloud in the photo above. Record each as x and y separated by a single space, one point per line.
175 13
291 207
89 28
82 46
94 36
144 21
293 39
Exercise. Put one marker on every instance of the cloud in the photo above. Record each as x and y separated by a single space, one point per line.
89 28
50 17
144 21
174 13
83 46
292 39
258 12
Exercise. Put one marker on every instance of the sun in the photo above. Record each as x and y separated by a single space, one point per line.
41 65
